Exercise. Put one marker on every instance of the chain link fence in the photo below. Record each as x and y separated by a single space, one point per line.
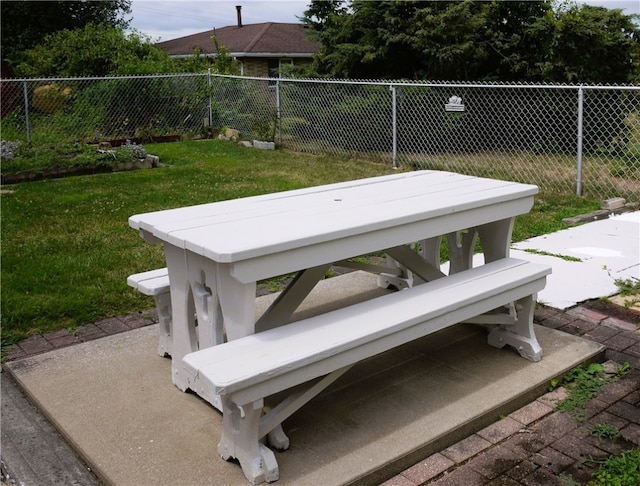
566 139
61 110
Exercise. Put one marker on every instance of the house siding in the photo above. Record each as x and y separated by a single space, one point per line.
259 66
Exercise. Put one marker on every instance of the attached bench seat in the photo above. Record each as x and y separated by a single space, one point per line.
245 371
156 284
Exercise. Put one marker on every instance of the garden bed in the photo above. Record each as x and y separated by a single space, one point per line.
148 162
23 163
118 142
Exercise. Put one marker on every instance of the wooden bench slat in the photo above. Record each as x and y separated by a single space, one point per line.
258 358
153 282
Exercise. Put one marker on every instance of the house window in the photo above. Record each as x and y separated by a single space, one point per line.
275 67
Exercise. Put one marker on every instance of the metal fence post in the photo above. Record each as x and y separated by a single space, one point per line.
26 110
394 126
210 100
278 114
579 161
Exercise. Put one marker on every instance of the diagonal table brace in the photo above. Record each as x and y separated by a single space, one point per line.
410 259
270 422
290 298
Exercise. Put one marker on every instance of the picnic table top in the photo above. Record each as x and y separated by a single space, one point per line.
240 229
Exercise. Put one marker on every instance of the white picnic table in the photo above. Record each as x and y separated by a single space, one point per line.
216 253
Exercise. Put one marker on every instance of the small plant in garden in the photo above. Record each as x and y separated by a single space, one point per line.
604 431
150 130
631 303
583 384
630 289
8 149
568 480
130 151
628 286
265 129
623 369
620 470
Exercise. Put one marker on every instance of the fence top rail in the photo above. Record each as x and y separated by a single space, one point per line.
429 84
103 78
390 84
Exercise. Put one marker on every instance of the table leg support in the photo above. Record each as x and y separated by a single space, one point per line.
240 441
163 304
210 285
400 278
496 239
237 303
461 246
183 326
520 335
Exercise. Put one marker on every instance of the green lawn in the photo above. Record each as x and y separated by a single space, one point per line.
67 247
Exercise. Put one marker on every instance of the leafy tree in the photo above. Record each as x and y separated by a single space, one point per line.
367 39
468 40
199 62
322 13
100 50
223 63
95 50
404 39
513 37
438 40
592 45
450 40
24 24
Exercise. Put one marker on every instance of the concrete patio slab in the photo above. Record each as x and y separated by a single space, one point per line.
586 259
113 401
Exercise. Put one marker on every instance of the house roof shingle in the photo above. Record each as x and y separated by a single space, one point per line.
269 38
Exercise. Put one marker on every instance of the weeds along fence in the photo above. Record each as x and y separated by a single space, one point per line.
581 140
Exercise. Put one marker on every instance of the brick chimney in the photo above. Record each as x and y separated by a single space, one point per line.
239 12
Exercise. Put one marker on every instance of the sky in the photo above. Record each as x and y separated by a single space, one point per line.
169 19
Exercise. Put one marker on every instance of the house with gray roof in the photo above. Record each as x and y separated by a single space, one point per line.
260 49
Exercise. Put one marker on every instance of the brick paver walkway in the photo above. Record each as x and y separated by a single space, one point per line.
537 445
534 445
